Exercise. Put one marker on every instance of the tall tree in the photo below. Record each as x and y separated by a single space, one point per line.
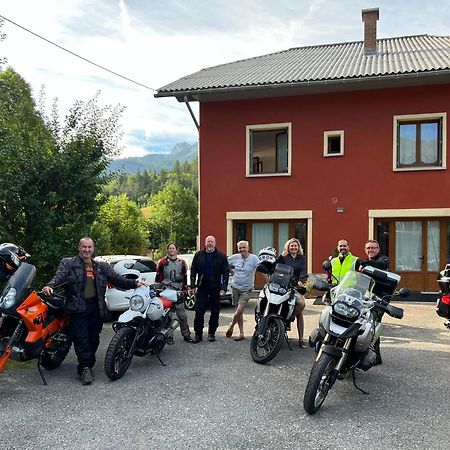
120 228
173 217
51 173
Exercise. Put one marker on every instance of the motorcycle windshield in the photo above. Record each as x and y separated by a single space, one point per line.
17 288
282 275
354 285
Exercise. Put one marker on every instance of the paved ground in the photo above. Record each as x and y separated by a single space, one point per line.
212 395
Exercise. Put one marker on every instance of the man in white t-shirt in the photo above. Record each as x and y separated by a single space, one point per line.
243 265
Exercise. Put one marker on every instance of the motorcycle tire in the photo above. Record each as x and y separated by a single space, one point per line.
319 384
190 301
264 349
116 359
51 359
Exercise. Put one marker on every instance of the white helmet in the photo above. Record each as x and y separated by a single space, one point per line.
155 309
124 268
268 254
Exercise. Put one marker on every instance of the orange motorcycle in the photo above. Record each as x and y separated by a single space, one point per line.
32 326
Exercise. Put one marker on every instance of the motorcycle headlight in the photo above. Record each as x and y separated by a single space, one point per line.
136 302
9 298
344 310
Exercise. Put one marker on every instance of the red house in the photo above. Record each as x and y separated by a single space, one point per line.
327 142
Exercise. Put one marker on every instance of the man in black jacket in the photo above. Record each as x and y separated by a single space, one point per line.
209 279
374 258
85 287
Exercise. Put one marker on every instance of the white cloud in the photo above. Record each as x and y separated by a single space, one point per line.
160 41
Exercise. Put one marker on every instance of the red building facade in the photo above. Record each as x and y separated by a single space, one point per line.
356 195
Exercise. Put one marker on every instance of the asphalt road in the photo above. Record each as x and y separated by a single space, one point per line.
212 395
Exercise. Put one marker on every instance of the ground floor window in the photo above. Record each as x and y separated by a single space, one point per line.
418 248
265 233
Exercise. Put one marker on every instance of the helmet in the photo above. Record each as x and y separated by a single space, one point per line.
11 256
155 309
268 254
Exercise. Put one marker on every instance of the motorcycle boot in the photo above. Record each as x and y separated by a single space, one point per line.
87 376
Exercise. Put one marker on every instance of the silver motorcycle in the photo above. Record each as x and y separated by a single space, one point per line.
349 330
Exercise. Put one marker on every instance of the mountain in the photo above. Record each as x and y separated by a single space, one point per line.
183 151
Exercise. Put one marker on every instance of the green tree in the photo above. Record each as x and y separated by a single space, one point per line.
120 227
174 217
51 173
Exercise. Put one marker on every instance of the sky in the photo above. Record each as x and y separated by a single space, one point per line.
155 42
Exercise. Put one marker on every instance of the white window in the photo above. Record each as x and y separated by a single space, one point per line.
420 141
268 149
333 143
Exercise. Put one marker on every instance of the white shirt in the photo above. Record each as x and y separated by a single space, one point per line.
244 271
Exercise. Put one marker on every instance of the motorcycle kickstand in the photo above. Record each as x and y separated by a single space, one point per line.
41 373
288 343
157 355
354 382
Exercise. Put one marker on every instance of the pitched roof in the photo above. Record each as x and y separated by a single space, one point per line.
399 56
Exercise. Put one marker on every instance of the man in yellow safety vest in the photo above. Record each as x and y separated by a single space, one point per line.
344 262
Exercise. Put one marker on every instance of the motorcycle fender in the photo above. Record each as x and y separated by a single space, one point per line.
331 350
4 357
352 331
129 315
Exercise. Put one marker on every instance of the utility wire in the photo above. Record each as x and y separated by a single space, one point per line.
78 56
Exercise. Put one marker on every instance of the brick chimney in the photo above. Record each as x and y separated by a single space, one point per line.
370 17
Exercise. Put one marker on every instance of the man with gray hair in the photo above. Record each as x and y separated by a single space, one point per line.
243 266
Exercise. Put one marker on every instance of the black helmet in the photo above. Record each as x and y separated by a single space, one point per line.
11 256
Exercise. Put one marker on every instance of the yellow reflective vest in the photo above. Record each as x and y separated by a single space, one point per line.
339 269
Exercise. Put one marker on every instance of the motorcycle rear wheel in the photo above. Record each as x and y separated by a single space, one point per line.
51 359
118 359
319 383
264 349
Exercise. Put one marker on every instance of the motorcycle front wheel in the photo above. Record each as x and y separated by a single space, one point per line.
264 348
319 384
118 357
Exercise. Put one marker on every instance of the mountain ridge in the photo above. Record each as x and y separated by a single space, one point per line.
182 151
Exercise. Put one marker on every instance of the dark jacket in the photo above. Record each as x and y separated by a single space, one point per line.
73 271
219 270
379 262
298 264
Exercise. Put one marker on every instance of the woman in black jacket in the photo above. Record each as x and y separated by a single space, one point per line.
292 255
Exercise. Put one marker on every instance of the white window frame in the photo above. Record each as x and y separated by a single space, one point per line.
267 127
328 134
419 117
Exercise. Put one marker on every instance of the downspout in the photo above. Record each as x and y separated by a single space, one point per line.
192 113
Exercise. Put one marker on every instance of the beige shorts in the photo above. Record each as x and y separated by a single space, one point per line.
240 297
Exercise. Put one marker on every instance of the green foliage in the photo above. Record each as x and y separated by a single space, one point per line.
174 216
141 186
51 173
120 228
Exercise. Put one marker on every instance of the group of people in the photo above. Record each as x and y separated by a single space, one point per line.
210 271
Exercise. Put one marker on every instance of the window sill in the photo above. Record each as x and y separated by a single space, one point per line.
416 169
259 175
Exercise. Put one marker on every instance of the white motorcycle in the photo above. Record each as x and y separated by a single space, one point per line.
274 314
143 328
349 330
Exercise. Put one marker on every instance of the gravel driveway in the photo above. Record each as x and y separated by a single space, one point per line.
212 395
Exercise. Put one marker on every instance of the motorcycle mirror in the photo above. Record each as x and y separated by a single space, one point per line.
327 266
403 292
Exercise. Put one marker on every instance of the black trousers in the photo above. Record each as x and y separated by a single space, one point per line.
84 329
207 296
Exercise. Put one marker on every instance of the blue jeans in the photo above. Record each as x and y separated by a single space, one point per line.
207 296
